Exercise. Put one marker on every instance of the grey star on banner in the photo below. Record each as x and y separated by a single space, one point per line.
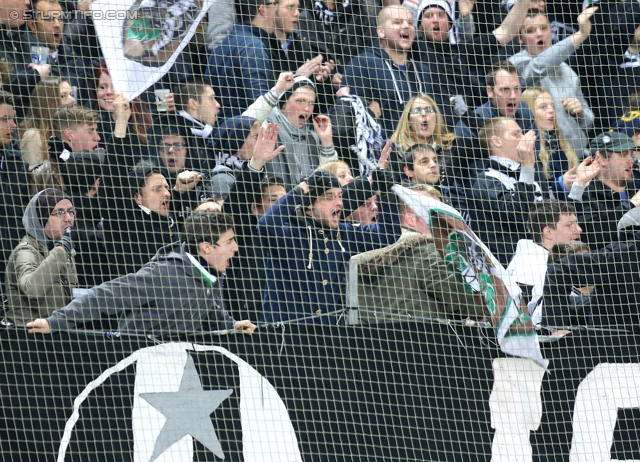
188 412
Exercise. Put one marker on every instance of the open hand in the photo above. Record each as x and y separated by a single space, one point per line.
383 162
310 67
265 147
587 171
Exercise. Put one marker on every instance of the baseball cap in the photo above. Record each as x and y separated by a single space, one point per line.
629 123
612 142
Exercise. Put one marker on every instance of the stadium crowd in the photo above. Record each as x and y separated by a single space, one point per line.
242 182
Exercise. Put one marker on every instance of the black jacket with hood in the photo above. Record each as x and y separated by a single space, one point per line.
173 293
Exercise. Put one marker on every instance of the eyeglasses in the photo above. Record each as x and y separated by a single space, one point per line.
423 110
62 212
175 146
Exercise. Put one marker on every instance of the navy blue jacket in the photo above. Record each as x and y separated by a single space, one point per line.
306 269
240 69
373 76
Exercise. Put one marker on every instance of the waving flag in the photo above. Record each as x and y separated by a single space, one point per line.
481 272
141 39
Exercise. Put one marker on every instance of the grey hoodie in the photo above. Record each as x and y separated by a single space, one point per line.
39 280
303 152
172 293
548 70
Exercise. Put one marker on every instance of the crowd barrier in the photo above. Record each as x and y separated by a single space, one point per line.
401 392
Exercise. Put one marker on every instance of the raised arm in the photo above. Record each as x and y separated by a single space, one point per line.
510 27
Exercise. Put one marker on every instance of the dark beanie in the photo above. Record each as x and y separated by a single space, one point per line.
47 201
139 174
356 194
319 182
299 81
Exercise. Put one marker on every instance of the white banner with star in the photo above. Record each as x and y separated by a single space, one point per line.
171 408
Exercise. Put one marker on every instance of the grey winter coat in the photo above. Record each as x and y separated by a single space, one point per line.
172 293
39 280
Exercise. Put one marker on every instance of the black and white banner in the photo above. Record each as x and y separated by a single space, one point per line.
141 39
405 391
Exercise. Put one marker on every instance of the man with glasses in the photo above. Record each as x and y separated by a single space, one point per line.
180 290
41 272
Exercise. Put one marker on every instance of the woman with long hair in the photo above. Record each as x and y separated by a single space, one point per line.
422 123
37 128
556 157
340 169
127 127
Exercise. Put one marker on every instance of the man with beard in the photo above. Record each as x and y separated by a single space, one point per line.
309 247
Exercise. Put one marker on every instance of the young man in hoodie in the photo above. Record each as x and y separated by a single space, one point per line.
309 247
179 291
552 222
542 64
41 273
308 140
387 74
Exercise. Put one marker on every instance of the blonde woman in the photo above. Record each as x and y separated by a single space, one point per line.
422 123
557 161
340 169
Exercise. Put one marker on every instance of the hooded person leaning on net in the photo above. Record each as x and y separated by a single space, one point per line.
41 272
179 290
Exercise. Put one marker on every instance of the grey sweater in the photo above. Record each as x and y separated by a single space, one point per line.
303 152
169 294
549 70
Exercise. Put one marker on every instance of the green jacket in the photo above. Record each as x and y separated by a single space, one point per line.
410 278
39 281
